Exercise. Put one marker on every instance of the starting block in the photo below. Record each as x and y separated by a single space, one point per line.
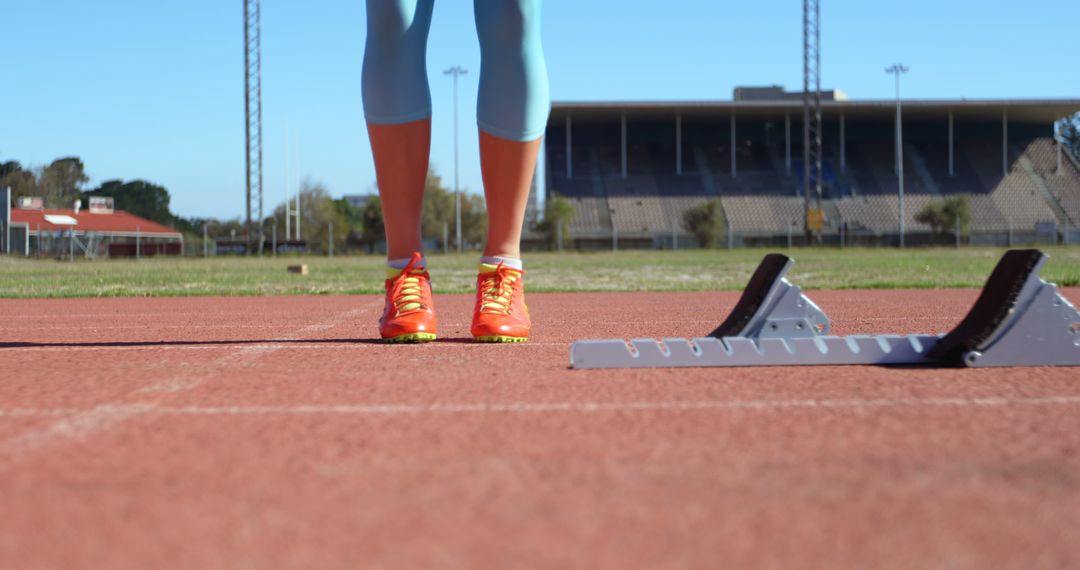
1018 320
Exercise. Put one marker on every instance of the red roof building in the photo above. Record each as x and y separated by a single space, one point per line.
117 223
92 234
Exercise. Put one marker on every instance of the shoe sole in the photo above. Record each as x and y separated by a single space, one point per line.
411 338
500 339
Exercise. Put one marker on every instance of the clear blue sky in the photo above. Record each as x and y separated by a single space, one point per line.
154 90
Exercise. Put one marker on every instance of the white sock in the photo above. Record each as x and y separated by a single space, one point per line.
511 262
400 264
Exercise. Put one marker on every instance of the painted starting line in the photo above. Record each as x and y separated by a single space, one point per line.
544 407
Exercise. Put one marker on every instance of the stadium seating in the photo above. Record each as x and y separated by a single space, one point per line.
639 215
964 179
763 198
1017 197
591 217
1064 185
764 215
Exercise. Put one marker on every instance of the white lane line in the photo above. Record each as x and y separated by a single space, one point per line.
36 413
245 356
590 407
75 427
280 345
145 326
556 407
86 423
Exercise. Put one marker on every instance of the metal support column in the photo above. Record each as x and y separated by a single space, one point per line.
678 143
734 170
1005 142
569 148
787 142
843 144
952 149
614 231
623 141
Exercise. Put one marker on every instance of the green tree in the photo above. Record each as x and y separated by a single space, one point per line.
138 197
353 216
317 212
558 211
372 231
1070 134
61 182
943 215
706 222
438 210
21 181
473 219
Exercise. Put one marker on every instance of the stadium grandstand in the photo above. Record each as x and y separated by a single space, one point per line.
632 168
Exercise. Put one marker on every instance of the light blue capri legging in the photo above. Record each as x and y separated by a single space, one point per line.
513 102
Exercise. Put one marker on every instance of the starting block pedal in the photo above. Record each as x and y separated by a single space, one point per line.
1018 320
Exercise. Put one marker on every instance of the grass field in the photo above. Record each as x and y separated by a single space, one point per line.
688 270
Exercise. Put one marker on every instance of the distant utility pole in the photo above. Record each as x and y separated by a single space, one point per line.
614 232
253 123
285 185
296 210
456 71
898 69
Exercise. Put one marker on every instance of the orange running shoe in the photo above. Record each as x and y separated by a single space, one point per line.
409 315
500 314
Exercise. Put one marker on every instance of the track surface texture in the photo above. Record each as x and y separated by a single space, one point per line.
275 433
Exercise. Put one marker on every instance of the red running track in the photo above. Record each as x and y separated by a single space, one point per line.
273 433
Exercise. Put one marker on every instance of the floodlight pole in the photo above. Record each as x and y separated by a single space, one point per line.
253 125
285 185
296 210
456 71
898 69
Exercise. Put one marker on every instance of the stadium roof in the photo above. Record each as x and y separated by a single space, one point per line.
119 223
1027 110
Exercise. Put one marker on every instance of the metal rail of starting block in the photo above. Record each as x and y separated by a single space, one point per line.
1018 320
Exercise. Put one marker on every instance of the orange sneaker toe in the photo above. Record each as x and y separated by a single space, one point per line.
409 313
500 314
487 324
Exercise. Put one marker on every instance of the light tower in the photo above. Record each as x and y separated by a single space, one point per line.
456 72
811 108
898 69
253 124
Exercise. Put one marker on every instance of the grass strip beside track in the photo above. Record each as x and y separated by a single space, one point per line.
651 270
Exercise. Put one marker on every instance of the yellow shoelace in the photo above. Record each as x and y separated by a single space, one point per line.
497 290
408 296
